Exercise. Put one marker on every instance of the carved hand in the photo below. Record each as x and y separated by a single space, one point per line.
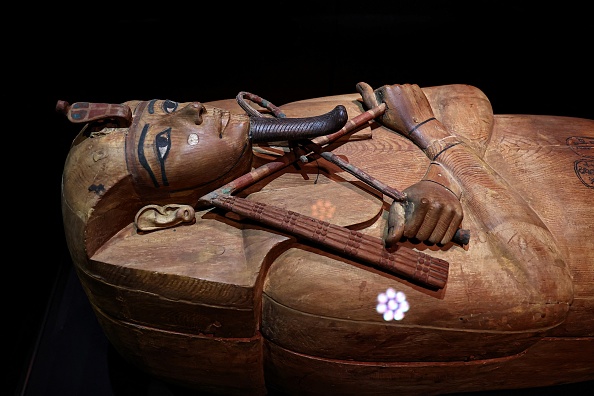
408 112
430 213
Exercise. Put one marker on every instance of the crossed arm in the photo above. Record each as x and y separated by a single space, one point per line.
433 211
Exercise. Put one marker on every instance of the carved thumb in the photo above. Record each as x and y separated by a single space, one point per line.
396 221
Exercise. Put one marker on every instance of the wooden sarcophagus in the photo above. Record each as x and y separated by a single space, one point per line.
232 261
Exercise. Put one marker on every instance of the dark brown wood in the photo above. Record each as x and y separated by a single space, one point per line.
300 374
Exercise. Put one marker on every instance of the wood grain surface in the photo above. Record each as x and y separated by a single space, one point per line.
226 305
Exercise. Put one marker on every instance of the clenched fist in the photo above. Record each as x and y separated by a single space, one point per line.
430 213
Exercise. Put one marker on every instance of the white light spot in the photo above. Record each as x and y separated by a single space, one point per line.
193 139
404 306
392 305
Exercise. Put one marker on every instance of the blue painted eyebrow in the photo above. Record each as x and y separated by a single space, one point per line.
151 106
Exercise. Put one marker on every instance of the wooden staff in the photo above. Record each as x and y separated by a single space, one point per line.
419 267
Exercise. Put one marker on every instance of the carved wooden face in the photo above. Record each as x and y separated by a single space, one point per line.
179 146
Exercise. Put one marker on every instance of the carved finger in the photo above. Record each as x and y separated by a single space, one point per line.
396 222
430 222
416 212
454 226
367 94
442 226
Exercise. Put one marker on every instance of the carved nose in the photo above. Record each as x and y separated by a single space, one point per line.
192 111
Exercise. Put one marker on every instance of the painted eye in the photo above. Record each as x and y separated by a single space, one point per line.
163 143
169 106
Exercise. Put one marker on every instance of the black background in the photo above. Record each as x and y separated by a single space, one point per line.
526 60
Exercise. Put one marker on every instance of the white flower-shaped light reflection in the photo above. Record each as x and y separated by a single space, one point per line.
392 304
